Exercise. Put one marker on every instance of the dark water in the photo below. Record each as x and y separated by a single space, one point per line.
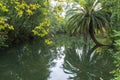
35 61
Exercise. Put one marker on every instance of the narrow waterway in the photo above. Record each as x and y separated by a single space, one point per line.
34 61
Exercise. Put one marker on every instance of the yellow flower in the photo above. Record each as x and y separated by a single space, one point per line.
33 6
47 41
1 4
41 35
35 32
11 28
46 3
48 22
44 32
2 27
4 9
16 8
20 13
17 3
22 6
38 6
27 6
29 12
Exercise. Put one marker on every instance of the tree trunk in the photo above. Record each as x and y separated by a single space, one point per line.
91 32
22 1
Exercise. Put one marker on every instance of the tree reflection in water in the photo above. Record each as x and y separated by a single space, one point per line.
34 62
25 62
88 64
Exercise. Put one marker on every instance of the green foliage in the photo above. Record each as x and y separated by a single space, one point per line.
4 28
57 18
114 7
116 38
90 18
117 62
3 8
19 15
57 24
42 29
67 41
25 17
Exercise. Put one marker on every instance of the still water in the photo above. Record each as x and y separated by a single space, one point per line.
35 61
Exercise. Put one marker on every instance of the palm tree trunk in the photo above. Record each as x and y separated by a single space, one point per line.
22 1
91 32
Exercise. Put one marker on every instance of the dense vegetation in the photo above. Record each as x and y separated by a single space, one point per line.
23 19
26 20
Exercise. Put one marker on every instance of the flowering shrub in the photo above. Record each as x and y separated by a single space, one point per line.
25 17
42 29
24 8
4 28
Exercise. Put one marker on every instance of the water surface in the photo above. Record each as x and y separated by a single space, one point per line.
36 61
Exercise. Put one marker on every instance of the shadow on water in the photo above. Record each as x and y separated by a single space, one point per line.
25 62
88 63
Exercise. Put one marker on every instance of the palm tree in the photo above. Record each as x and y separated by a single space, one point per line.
90 18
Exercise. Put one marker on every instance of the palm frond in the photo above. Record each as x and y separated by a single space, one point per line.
88 20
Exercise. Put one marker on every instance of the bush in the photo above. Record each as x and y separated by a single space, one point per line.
25 17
